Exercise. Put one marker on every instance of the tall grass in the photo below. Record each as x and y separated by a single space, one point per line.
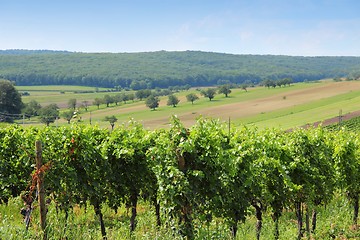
334 222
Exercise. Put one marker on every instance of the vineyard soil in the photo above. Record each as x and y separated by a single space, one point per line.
335 120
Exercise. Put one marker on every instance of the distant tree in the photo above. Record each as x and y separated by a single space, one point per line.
32 108
224 89
98 102
244 86
10 100
165 92
49 114
152 102
68 115
287 81
273 83
355 75
284 81
209 93
172 100
268 83
118 98
137 85
191 97
186 87
249 83
72 103
108 100
85 105
130 96
157 90
176 88
141 94
111 119
125 97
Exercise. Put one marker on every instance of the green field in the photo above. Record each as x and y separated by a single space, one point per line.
59 94
308 113
66 88
285 107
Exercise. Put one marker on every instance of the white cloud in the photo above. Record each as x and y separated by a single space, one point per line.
246 35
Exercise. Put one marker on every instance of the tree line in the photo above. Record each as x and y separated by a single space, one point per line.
163 69
50 113
12 107
208 171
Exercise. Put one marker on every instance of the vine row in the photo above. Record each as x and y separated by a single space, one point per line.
206 171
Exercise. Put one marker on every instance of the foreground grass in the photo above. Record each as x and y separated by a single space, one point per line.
334 222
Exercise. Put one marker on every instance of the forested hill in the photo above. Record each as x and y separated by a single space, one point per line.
164 69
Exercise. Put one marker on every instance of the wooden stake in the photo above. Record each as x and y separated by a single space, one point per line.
40 186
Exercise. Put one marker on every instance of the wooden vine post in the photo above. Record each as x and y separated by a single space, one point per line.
40 186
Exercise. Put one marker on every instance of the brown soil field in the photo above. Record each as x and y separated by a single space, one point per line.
267 104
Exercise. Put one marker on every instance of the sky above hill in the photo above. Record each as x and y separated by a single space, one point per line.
281 27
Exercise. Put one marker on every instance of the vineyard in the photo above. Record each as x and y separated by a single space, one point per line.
352 125
208 177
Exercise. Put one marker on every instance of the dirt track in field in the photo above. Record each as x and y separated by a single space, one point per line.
334 120
268 104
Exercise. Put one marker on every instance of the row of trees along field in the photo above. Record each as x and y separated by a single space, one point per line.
209 171
12 108
163 69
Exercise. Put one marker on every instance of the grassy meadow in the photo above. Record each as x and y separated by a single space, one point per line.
285 107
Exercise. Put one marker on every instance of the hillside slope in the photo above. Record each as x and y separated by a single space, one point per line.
164 69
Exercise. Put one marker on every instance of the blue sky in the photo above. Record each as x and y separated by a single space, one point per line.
281 27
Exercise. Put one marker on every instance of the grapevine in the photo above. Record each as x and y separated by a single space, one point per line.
203 172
